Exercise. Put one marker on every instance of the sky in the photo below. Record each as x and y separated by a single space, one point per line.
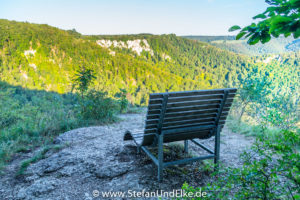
182 17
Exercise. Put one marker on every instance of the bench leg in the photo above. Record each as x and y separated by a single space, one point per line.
138 149
160 157
217 148
186 146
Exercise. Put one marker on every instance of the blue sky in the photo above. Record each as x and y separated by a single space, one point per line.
182 17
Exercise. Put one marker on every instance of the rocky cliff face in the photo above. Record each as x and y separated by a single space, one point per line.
136 46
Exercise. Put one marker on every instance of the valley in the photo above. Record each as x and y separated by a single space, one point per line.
46 58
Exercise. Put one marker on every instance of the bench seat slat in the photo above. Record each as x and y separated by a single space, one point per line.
153 130
184 122
198 108
187 136
187 117
187 125
193 93
215 102
192 116
191 121
189 98
151 121
154 116
192 112
183 115
195 98
201 102
182 112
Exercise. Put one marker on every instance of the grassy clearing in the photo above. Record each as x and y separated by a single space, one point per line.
31 118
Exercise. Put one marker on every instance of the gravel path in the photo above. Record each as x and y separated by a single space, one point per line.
96 158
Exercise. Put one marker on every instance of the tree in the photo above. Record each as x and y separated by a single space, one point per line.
282 17
253 90
83 79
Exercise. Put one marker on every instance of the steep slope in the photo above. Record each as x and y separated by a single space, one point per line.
43 57
46 58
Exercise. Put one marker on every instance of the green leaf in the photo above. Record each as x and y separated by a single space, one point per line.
252 28
275 34
265 37
254 39
287 34
260 16
297 33
248 35
234 28
270 10
240 35
295 3
279 22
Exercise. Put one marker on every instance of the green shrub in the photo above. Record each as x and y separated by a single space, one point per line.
271 170
123 102
96 105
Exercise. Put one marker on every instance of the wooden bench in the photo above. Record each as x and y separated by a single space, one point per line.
183 116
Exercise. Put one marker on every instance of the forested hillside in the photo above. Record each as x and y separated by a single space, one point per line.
275 46
43 57
46 58
52 80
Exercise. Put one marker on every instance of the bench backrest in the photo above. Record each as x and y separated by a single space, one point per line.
188 114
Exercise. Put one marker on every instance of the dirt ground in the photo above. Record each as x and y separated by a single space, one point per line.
96 159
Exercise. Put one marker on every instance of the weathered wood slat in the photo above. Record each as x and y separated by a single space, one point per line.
180 124
154 112
154 106
201 102
152 121
221 122
189 98
187 125
190 103
155 116
193 93
203 113
195 98
188 122
224 114
196 108
154 130
155 101
191 121
151 126
186 136
187 117
193 112
193 125
204 126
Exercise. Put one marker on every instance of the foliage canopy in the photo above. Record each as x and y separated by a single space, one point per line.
282 17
